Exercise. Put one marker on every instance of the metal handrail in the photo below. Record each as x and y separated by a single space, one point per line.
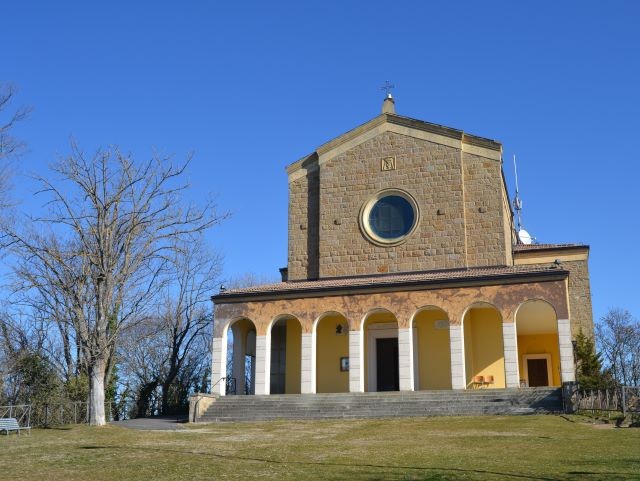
218 382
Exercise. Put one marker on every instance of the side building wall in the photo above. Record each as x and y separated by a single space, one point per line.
576 261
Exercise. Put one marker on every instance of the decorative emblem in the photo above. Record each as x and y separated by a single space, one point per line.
388 163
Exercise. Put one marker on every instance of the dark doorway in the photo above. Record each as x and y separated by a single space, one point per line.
387 364
537 370
278 357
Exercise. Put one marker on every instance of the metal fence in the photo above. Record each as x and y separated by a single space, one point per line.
21 412
625 400
55 414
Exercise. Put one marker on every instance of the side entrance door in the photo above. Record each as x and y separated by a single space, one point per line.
537 371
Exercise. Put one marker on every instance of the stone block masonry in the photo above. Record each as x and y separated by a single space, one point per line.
460 198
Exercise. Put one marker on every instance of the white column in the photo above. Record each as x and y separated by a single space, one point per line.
456 339
567 365
238 361
356 353
308 369
218 365
263 361
405 358
510 343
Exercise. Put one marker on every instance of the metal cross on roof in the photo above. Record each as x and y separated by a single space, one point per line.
387 88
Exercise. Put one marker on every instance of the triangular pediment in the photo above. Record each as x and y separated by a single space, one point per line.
388 122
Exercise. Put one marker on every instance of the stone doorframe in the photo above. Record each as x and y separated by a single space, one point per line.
388 330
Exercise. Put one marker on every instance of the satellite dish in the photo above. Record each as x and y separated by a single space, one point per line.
525 237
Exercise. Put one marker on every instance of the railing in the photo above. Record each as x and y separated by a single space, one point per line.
218 382
229 384
21 412
53 414
625 400
630 400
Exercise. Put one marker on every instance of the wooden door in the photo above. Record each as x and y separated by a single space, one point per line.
537 372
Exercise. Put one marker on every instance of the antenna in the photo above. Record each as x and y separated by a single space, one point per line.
523 236
517 201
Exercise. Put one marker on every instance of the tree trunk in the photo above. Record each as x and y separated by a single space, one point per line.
96 394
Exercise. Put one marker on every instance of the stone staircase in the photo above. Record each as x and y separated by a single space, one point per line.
384 404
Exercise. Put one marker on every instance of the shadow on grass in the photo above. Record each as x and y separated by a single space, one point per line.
436 472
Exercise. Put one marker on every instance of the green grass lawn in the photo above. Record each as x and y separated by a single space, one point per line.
470 448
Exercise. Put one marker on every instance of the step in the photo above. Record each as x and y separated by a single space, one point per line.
380 405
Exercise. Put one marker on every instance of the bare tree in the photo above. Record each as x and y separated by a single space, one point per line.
105 246
10 146
618 338
186 313
170 350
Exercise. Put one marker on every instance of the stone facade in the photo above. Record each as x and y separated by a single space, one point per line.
580 311
304 208
465 219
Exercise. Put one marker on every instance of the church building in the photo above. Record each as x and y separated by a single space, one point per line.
405 272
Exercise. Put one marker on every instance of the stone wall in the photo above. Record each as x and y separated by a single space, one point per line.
303 226
485 215
580 311
429 172
463 212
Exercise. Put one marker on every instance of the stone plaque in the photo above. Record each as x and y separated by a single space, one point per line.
388 163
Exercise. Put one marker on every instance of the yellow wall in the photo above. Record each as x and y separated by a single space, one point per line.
242 327
293 357
375 318
484 352
540 344
330 347
434 353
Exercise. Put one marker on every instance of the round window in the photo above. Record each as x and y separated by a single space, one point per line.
389 217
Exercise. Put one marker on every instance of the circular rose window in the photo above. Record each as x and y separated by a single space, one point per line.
389 217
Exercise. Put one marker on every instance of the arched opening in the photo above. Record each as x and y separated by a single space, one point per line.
241 357
381 360
432 349
538 344
332 353
483 347
286 356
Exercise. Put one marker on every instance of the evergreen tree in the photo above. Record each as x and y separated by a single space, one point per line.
588 363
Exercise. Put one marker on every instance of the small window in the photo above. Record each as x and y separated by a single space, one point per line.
389 217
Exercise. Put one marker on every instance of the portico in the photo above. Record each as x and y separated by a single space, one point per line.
429 332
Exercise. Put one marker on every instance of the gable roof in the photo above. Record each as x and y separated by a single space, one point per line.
407 126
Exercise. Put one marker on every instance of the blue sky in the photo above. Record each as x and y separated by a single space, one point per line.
250 87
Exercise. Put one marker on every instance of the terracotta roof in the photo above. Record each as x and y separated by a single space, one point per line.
392 280
536 247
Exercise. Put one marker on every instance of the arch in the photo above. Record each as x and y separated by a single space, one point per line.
379 335
427 307
326 314
432 348
538 343
480 305
483 346
331 340
285 333
240 336
372 312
